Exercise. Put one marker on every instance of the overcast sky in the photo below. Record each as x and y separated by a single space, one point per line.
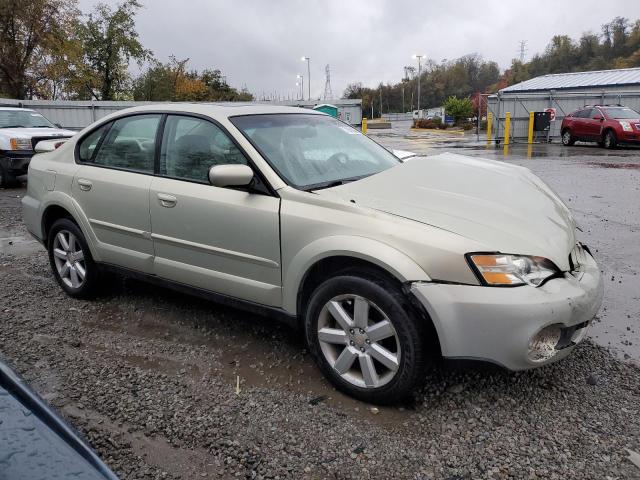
258 43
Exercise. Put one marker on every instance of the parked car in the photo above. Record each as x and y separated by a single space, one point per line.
295 214
20 130
608 125
35 442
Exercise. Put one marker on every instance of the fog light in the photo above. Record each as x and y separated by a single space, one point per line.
542 345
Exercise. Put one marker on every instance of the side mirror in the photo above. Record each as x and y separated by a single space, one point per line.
598 117
57 125
230 175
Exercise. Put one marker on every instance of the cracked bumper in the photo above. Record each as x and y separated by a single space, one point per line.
497 324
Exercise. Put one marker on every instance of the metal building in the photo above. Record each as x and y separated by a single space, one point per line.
77 114
564 93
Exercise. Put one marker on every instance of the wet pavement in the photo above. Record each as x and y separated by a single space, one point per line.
165 385
602 189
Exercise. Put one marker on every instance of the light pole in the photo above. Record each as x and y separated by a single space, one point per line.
308 60
301 78
419 57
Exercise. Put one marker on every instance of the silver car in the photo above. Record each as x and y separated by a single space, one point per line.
384 264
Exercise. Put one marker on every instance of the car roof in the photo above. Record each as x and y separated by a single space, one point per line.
221 110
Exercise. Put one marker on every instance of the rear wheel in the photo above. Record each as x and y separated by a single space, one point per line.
364 338
71 260
610 140
567 138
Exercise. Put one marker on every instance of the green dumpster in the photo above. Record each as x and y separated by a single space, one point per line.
328 109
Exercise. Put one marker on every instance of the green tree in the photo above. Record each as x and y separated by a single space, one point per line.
173 81
32 34
109 42
459 108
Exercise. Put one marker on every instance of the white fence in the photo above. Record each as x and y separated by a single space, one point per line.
75 115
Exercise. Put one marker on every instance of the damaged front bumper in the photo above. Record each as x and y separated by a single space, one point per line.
506 325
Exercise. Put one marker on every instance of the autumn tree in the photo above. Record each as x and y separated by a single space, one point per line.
33 35
174 81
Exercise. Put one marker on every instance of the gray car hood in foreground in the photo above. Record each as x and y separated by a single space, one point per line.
505 207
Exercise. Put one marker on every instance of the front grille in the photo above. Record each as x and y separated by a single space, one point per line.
35 140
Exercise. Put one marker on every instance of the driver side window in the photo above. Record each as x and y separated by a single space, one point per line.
191 146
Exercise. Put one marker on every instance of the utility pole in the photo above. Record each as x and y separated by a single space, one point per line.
328 94
419 57
308 60
523 50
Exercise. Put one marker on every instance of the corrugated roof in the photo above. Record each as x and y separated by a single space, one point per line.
563 81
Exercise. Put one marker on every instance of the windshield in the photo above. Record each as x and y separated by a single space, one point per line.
23 119
314 151
622 112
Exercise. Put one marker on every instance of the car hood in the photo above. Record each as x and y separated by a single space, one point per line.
505 207
37 132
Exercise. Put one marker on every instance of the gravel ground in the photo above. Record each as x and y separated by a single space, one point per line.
150 377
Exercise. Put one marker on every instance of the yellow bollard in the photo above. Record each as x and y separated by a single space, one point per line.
507 127
364 125
489 126
530 139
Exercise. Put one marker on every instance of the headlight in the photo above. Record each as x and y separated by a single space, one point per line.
20 144
626 126
512 270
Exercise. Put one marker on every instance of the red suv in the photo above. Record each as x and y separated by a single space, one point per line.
608 125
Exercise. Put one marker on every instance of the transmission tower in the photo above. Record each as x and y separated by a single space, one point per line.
328 95
522 49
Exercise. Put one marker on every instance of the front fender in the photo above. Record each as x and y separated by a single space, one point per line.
393 261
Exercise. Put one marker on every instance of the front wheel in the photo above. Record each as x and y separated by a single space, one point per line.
567 138
610 140
365 339
71 260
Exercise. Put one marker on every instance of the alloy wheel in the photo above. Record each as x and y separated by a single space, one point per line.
566 137
69 259
359 341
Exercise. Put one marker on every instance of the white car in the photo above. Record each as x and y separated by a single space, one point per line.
290 212
20 130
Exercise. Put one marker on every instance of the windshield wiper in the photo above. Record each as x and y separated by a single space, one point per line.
13 126
332 183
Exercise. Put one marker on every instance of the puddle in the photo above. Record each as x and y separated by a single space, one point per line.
631 166
259 351
18 245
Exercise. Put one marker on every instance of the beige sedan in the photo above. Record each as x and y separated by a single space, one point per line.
289 212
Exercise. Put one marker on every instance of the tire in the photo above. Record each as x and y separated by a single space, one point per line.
345 354
567 138
69 256
6 179
610 141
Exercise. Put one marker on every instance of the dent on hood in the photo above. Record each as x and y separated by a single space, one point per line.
504 207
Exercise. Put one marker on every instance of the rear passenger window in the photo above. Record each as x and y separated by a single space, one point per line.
191 146
88 145
130 144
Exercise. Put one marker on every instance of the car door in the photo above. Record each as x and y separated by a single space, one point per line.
591 125
578 126
225 240
112 189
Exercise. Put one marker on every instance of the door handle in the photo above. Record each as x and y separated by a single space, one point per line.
167 201
84 184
